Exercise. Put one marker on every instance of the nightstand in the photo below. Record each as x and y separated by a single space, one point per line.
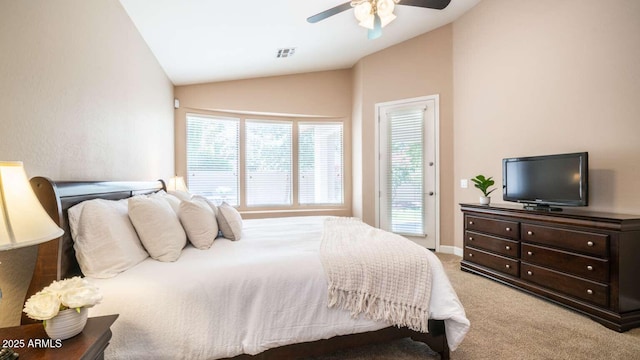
31 342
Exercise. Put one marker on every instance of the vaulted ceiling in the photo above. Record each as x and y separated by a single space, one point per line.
198 41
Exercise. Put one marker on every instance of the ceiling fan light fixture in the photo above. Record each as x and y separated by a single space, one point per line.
367 23
385 7
366 10
386 19
363 11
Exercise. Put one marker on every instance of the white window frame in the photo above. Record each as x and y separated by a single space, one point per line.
296 206
342 170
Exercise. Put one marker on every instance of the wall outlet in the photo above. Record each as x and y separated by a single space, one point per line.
464 183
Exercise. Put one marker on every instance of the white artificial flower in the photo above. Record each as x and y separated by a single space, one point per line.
81 297
54 288
73 293
42 306
74 282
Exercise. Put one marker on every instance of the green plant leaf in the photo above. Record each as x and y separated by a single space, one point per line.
483 183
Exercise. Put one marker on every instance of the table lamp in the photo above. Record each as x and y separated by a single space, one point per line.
23 221
176 183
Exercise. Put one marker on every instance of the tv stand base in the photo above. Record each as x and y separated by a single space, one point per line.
538 207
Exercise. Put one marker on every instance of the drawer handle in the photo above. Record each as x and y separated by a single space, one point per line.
589 243
470 222
589 267
508 266
529 232
470 255
508 229
530 253
529 273
589 291
470 238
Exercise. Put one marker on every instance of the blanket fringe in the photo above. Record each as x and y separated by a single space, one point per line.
375 308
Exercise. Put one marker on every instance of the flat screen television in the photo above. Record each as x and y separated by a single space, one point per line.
544 182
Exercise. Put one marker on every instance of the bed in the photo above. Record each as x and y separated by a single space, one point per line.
335 330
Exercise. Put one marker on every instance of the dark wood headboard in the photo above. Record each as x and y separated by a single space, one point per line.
56 258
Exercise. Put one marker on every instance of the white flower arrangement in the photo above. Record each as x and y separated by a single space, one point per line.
74 293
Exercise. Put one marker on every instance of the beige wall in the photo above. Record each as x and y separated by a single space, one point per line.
324 95
418 67
81 97
544 77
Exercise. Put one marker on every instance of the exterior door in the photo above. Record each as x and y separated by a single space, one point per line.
407 169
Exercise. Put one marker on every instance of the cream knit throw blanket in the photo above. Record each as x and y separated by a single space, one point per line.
377 273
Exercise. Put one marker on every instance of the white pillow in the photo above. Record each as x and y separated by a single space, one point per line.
158 227
199 222
172 200
230 221
182 195
211 204
105 241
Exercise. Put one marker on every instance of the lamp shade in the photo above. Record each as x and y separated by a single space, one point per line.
176 183
23 221
385 11
365 12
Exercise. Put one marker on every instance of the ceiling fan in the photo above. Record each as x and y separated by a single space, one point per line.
375 14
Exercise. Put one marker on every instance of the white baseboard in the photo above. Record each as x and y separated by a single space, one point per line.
446 249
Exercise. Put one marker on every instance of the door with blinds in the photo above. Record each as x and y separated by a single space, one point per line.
407 169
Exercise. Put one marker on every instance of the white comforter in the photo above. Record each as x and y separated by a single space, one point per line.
266 290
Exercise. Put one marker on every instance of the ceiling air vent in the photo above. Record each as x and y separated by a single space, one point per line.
287 52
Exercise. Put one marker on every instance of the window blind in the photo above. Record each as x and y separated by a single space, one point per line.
320 153
405 180
268 163
213 158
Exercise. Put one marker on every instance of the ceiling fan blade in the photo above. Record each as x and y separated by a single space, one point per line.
329 12
431 4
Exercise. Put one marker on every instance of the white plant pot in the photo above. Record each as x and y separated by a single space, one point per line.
68 323
485 200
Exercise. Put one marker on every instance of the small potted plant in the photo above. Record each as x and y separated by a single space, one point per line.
483 183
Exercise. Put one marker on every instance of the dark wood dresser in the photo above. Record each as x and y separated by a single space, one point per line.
586 261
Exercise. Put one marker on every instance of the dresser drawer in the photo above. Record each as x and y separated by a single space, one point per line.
584 242
584 266
580 288
493 261
495 244
504 228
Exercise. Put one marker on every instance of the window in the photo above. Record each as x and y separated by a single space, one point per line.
268 163
253 163
213 158
320 163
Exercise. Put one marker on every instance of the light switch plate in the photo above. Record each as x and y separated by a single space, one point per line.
464 183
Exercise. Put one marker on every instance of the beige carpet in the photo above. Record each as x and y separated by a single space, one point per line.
509 324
